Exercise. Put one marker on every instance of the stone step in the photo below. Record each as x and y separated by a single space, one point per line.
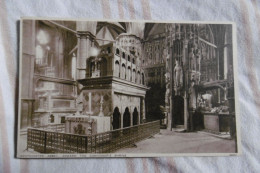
180 130
179 126
23 132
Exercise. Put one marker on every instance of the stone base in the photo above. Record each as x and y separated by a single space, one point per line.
81 125
103 123
217 123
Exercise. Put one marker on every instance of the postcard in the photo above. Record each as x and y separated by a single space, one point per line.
108 88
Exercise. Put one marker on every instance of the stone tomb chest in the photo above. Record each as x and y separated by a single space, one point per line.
87 125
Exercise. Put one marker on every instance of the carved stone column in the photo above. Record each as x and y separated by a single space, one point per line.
169 29
186 111
143 110
186 82
169 115
122 117
131 115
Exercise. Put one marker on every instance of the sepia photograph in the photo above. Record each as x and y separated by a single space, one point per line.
105 88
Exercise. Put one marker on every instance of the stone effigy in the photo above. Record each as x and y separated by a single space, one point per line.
178 75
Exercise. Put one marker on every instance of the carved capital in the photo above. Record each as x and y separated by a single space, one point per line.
85 35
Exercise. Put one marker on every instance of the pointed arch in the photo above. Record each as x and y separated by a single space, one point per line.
116 123
126 118
135 117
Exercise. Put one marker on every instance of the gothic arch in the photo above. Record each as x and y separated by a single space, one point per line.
126 118
108 50
135 117
129 73
116 119
123 71
177 50
138 77
143 78
117 69
133 60
133 75
117 51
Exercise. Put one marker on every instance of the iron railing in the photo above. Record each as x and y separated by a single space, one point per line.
44 141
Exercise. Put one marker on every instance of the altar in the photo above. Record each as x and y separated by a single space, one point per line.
86 125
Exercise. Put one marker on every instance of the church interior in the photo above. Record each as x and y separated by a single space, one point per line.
127 73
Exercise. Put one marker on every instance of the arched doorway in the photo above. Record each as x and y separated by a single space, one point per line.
126 118
116 119
135 117
178 110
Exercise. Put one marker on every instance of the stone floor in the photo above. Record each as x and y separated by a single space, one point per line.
174 142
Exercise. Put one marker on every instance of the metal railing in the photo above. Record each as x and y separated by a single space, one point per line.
44 141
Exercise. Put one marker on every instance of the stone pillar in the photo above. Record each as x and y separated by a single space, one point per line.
143 110
86 35
218 75
186 65
122 118
169 114
83 48
186 111
89 102
120 65
172 93
28 65
131 115
139 118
